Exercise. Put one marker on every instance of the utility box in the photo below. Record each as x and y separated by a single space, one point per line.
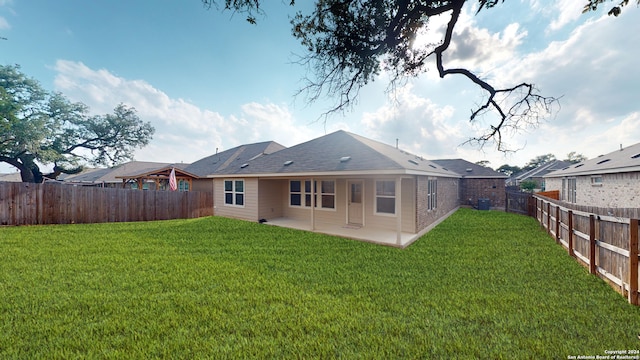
484 204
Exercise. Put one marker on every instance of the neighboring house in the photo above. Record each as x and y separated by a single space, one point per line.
341 184
611 180
233 157
537 174
112 177
478 184
158 179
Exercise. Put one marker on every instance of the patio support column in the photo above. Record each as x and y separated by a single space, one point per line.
399 210
313 205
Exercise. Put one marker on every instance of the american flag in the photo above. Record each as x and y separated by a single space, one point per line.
173 184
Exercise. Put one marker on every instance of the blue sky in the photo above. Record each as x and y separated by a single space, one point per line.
207 79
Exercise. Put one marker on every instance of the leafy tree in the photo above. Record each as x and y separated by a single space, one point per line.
592 5
508 169
349 43
539 160
38 128
484 163
528 185
574 158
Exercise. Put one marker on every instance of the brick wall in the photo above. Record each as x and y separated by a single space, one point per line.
448 199
620 190
473 189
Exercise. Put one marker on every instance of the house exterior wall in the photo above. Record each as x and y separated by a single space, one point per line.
621 190
448 199
492 189
202 185
249 211
270 194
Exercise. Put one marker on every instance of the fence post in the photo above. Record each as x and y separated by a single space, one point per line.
557 224
592 244
570 240
549 218
633 261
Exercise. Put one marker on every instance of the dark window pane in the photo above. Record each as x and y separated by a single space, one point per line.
239 186
294 186
239 199
328 201
387 188
386 205
307 200
307 186
328 187
228 198
228 185
296 199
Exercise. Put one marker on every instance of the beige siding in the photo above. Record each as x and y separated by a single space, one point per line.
247 212
202 185
270 203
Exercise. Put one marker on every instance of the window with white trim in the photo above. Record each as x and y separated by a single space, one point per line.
385 197
432 194
301 196
596 180
234 192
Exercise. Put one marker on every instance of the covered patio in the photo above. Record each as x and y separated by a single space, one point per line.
376 236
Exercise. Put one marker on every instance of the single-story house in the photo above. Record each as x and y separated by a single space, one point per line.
609 181
479 185
341 184
537 174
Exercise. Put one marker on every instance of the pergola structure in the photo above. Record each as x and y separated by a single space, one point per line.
160 179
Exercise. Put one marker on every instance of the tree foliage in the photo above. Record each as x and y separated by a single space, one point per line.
574 158
539 160
350 43
509 169
38 128
592 5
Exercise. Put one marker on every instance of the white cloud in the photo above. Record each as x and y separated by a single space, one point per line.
567 12
184 132
4 24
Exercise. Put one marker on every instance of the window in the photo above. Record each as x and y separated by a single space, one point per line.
326 200
183 185
385 197
234 192
569 189
432 194
596 181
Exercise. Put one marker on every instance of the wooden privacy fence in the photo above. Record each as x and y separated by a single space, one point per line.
520 202
601 239
55 203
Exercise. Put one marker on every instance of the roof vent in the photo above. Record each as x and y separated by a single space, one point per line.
288 162
469 169
433 166
345 158
635 156
413 162
603 161
579 165
244 165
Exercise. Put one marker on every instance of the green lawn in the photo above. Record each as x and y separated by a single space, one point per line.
480 285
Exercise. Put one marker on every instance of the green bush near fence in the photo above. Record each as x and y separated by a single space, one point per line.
482 284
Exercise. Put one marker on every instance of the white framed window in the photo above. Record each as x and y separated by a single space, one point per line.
596 180
300 193
385 199
569 189
432 194
234 192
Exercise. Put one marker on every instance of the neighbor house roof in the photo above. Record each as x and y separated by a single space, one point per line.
233 157
541 171
619 161
338 152
468 169
109 175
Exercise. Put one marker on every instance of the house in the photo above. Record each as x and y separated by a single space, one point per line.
341 184
10 177
479 185
537 174
610 181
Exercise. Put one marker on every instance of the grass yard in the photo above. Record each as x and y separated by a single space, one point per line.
480 285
